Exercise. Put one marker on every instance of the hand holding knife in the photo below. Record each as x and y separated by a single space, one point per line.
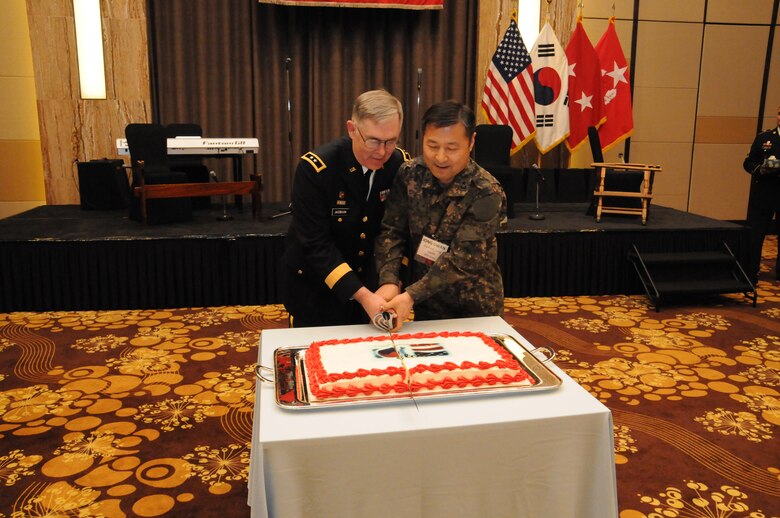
386 321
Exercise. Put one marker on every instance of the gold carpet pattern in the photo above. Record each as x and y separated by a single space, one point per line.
149 412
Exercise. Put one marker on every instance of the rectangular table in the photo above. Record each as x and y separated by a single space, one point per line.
535 454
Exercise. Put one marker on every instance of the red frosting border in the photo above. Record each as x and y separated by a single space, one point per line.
316 370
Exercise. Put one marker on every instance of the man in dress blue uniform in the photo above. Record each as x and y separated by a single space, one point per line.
338 201
764 194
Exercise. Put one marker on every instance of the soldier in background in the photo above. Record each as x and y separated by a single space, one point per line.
338 200
764 201
446 210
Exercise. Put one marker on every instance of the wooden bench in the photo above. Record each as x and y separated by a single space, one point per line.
186 190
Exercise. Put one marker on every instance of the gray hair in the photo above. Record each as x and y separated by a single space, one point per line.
377 105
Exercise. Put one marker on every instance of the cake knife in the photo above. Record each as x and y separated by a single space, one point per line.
385 321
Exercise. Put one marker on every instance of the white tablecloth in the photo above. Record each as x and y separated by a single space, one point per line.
536 454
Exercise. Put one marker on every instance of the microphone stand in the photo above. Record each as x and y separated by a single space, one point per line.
417 129
289 136
225 216
537 216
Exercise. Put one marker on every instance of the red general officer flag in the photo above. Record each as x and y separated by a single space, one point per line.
586 100
508 97
617 90
390 4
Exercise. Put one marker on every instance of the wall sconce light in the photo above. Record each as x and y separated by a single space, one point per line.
528 14
89 45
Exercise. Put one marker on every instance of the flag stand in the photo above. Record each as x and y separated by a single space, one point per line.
289 138
537 216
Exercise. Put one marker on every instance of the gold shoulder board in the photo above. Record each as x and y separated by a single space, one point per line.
315 161
406 155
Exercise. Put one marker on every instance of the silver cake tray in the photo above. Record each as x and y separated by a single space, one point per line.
292 393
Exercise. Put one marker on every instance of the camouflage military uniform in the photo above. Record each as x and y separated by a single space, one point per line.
465 281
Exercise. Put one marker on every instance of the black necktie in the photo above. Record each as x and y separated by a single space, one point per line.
367 182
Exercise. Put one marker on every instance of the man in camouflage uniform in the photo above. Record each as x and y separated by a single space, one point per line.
338 200
446 210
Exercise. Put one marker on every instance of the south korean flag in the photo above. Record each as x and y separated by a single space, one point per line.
551 86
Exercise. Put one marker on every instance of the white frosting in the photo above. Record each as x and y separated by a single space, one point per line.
362 355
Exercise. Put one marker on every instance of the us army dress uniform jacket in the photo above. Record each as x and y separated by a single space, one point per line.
765 188
465 280
330 244
764 199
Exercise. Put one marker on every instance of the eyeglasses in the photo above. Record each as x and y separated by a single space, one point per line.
374 143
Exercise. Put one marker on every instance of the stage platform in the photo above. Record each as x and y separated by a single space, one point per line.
63 258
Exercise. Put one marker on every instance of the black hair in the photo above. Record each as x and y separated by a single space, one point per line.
447 113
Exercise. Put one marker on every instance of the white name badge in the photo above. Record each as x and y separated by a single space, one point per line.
430 250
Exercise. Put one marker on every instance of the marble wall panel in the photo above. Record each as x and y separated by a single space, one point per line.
59 145
127 63
73 129
53 41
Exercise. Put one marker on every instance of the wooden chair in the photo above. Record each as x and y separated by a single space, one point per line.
622 188
631 191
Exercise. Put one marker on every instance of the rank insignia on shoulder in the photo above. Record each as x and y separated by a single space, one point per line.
315 161
352 169
406 156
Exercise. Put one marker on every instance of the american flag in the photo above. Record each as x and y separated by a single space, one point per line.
508 97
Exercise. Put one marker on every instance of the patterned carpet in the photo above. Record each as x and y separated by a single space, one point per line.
149 413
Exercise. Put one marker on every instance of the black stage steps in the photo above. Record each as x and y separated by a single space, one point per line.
670 274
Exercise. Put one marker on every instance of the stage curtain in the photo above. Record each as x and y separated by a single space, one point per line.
389 4
223 65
